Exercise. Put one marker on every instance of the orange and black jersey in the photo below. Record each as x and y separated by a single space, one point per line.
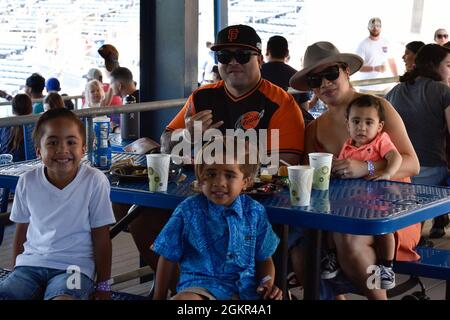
266 106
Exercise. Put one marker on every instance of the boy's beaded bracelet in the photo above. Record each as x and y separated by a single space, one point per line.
103 286
370 168
265 279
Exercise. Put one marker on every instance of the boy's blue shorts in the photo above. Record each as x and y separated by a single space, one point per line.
37 283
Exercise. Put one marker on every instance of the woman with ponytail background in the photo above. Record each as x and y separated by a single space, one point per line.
422 98
11 138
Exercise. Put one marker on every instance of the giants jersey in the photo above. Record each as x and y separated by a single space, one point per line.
264 107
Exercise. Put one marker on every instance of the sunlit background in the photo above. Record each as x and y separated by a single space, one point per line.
60 38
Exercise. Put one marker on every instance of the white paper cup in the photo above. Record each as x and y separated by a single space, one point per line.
321 162
158 171
300 183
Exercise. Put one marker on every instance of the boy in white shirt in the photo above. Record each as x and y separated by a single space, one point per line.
62 213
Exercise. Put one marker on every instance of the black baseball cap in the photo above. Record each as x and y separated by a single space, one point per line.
237 36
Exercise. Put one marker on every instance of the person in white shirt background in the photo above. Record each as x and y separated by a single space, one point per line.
377 54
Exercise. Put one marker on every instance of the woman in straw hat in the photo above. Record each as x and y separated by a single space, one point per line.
327 72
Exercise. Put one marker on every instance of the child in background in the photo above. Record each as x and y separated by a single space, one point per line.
11 138
222 240
365 121
62 213
94 94
52 101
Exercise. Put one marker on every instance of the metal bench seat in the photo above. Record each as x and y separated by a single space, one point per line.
434 263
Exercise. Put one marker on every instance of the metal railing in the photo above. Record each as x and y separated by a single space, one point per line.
365 82
76 98
93 112
368 82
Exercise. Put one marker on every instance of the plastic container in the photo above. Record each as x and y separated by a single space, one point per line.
6 158
130 122
101 151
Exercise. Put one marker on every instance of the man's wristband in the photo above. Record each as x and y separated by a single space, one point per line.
103 286
370 168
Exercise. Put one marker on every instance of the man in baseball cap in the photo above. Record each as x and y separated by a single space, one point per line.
243 100
93 74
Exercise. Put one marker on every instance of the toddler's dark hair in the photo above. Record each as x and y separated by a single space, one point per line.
367 101
53 114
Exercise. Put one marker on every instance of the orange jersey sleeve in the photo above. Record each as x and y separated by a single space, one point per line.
288 119
178 121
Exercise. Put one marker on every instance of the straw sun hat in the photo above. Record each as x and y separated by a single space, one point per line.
321 53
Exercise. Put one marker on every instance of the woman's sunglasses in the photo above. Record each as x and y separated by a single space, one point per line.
442 36
314 80
241 56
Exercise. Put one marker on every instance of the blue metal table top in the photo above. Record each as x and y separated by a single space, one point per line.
350 206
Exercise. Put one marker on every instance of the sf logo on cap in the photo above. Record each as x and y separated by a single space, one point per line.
232 34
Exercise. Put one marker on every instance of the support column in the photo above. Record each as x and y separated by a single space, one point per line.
220 15
168 57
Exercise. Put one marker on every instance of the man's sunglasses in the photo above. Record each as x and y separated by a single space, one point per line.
241 56
440 36
314 80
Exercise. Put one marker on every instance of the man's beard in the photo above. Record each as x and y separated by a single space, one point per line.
374 33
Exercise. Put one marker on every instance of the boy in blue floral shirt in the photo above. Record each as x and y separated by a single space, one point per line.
222 240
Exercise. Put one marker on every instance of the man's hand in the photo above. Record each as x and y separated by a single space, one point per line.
204 116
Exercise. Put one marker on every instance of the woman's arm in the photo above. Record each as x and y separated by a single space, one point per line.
164 275
395 128
20 237
310 132
102 258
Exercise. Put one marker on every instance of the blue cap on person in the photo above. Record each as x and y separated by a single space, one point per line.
237 36
52 84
